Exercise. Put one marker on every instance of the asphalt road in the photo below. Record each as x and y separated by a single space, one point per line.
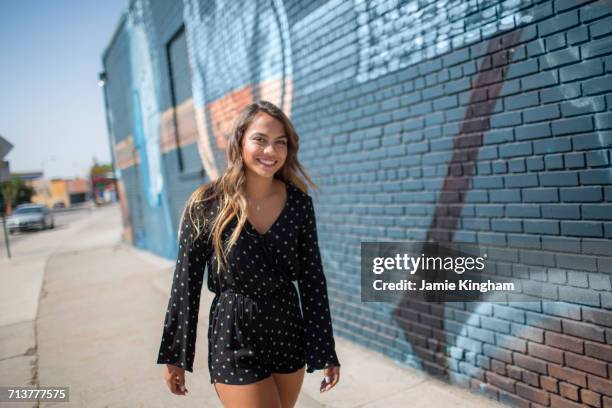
63 218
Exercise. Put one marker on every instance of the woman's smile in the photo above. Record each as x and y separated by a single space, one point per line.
267 163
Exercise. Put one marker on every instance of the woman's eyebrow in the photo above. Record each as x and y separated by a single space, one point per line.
263 134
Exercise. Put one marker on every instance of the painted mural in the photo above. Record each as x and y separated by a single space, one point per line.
485 122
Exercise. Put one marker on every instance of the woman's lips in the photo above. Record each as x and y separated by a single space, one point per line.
267 163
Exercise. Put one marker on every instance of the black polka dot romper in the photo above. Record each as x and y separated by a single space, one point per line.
256 324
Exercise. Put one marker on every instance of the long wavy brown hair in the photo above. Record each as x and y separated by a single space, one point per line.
229 189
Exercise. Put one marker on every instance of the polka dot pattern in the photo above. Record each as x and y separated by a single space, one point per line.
256 324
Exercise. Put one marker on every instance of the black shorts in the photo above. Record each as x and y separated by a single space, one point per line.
252 336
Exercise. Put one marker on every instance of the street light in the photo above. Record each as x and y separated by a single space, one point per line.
102 79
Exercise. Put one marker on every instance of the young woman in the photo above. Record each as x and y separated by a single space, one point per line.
255 229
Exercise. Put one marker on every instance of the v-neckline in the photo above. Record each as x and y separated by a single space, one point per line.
278 218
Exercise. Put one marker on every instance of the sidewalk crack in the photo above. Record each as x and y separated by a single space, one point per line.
29 352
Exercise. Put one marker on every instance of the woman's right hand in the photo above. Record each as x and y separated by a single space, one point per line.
175 379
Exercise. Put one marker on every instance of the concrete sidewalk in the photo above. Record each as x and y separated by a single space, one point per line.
21 280
98 323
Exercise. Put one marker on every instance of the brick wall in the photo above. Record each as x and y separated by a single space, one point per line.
487 122
487 143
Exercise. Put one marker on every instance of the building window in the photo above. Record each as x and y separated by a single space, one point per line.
183 117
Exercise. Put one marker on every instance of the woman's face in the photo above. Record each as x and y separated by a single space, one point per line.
264 145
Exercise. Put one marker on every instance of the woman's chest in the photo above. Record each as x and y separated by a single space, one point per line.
273 254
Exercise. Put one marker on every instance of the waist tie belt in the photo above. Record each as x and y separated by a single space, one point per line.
242 300
251 299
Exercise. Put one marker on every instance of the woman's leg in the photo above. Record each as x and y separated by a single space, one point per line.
289 386
260 394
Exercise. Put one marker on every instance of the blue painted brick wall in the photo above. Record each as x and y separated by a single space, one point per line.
391 99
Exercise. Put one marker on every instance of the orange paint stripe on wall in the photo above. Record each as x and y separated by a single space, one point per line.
186 126
223 113
167 137
225 110
126 153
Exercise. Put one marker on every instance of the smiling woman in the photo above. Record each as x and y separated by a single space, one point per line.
254 229
256 143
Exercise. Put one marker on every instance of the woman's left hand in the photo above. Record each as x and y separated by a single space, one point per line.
332 374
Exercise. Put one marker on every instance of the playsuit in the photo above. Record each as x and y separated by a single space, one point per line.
259 322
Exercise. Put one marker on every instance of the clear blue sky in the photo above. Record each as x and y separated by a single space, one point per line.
51 108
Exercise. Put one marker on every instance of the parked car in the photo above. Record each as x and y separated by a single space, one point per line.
59 204
31 216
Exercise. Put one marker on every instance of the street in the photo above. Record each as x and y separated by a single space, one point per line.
63 219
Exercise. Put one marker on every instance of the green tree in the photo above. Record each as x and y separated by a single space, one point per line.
100 170
14 192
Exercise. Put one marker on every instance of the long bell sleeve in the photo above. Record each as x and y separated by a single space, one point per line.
181 321
312 284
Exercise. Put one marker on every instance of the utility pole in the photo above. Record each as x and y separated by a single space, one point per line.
5 176
6 237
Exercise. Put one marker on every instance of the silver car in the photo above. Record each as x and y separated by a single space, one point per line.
31 216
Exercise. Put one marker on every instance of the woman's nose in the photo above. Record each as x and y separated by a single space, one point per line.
269 148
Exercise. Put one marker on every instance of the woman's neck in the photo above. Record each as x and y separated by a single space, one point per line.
260 187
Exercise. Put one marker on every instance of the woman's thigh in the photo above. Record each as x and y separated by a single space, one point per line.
260 394
289 386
